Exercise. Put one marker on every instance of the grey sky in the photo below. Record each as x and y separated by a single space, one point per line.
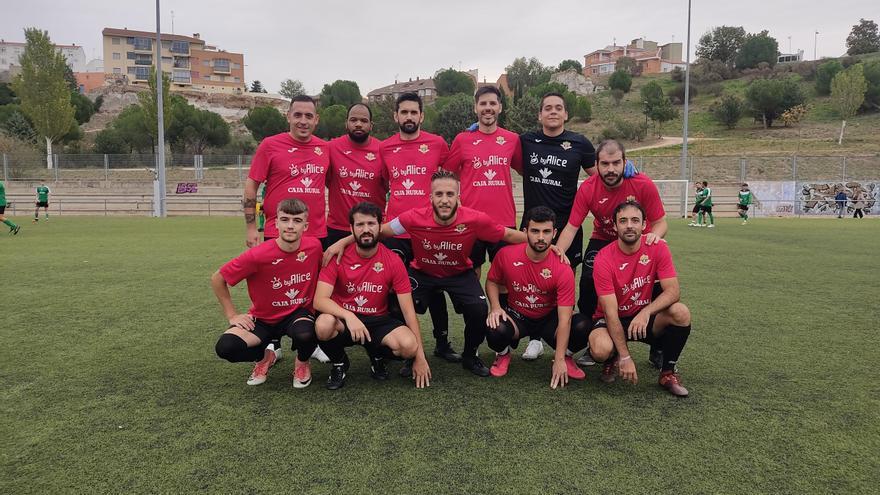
370 42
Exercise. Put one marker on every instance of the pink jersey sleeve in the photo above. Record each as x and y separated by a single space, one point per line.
602 270
665 268
489 230
444 152
565 289
581 206
329 272
496 270
238 268
453 159
400 277
260 163
516 159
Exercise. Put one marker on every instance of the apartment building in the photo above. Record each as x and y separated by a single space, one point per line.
10 51
190 63
650 57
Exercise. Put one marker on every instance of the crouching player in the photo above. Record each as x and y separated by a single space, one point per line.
540 298
352 296
624 273
281 274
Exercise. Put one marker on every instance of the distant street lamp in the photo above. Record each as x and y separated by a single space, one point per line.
815 43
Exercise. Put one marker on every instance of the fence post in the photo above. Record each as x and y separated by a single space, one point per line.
742 168
5 168
844 169
55 165
209 207
105 207
106 167
239 169
196 167
794 168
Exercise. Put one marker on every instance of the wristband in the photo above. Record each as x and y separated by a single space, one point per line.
628 358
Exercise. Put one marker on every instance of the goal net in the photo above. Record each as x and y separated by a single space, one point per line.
675 194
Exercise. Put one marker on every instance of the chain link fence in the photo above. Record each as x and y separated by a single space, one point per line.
734 169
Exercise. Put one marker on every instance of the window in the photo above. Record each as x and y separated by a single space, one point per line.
206 63
236 66
130 55
237 79
117 56
115 41
180 47
207 78
117 70
180 76
142 43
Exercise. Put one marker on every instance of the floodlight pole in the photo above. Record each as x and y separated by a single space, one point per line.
159 208
687 90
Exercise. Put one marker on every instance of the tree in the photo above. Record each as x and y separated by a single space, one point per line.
450 82
291 88
83 107
769 98
872 77
524 73
555 87
70 78
383 118
621 80
583 110
109 141
263 122
257 87
149 103
131 126
728 111
456 115
522 116
757 48
656 106
570 64
825 74
192 130
863 38
721 44
7 95
618 95
16 124
628 65
332 121
848 93
676 94
339 92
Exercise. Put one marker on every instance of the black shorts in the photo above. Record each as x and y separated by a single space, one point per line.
42 204
463 289
743 207
696 209
334 235
267 332
593 248
533 327
2 209
401 247
378 326
625 321
482 248
706 209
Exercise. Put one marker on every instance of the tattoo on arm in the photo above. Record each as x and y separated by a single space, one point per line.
250 218
249 202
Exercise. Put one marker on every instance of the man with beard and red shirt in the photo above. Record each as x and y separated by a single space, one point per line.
356 172
540 298
624 273
483 159
281 276
599 195
293 164
353 297
443 235
410 158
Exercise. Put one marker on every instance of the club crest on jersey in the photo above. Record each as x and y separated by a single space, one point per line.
546 273
370 157
500 140
630 198
301 256
644 260
350 287
423 149
318 151
378 267
566 145
460 228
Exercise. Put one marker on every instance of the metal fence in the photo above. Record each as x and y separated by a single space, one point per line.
234 168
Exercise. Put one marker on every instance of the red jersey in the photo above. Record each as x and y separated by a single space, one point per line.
630 277
483 163
593 196
278 283
292 169
356 174
361 285
534 289
444 250
409 166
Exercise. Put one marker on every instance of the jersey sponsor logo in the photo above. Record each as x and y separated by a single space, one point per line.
637 282
490 174
351 288
356 173
423 149
478 141
518 263
546 273
408 183
360 300
346 152
409 170
301 256
279 260
440 256
307 181
602 201
500 140
354 185
532 299
533 158
318 151
644 260
370 287
292 293
442 245
296 278
355 266
492 160
623 266
545 172
395 150
370 157
378 267
566 145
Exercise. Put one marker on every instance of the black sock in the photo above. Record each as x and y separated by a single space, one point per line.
672 343
334 348
474 328
304 339
439 317
235 350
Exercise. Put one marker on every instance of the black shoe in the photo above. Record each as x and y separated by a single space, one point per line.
336 380
444 350
406 369
259 230
16 229
656 358
378 369
475 366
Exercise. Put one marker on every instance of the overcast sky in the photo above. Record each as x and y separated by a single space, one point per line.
373 42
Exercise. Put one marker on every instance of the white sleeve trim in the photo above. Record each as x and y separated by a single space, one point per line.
397 227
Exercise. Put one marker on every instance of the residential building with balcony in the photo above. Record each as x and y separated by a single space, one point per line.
650 58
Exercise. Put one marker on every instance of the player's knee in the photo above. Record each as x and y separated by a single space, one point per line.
403 344
500 337
230 347
680 314
601 345
325 327
302 330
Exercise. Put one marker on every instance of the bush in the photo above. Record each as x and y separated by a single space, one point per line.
621 80
633 131
609 133
825 74
110 142
617 94
677 74
714 89
676 94
583 110
794 115
728 111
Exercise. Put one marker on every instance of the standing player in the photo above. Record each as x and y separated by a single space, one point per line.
410 158
42 201
356 172
540 298
553 158
705 197
443 235
625 272
746 198
483 160
13 227
281 276
353 296
696 210
293 164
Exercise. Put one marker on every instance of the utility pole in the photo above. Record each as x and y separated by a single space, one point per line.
687 88
159 185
